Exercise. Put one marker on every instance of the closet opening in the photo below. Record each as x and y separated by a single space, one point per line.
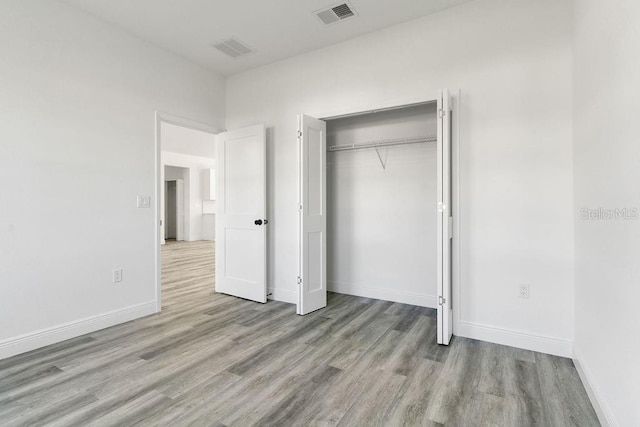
382 205
375 208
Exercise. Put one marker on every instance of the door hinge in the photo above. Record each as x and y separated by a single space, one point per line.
442 113
300 208
299 280
442 207
299 134
442 301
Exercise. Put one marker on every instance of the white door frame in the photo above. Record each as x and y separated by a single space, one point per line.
159 118
455 176
445 220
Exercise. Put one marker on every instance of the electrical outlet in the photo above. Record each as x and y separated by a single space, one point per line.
117 275
523 291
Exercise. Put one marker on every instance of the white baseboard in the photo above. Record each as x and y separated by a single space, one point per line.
283 296
31 341
602 408
384 294
539 343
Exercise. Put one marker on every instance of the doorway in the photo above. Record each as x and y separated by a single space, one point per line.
174 204
232 204
382 205
185 202
379 210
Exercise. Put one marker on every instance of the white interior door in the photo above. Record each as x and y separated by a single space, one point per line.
179 214
241 233
312 280
445 223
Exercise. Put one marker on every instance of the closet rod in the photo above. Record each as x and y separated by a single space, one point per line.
383 143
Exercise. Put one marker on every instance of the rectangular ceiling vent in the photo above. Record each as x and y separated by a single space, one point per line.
234 48
336 13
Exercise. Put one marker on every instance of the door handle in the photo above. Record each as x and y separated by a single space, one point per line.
258 222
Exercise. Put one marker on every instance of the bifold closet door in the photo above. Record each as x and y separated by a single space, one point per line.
445 315
312 207
241 236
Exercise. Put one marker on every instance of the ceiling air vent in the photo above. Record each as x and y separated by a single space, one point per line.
234 48
336 13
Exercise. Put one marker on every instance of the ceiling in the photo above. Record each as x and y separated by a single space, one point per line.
276 29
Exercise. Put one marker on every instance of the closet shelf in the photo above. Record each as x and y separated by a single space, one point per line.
383 143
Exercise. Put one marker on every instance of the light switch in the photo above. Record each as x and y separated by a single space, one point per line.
144 201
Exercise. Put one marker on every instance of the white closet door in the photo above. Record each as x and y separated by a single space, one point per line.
312 281
445 315
241 237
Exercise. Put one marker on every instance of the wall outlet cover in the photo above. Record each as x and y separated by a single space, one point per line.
117 275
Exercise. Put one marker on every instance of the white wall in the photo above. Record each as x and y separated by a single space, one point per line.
172 173
607 175
381 223
197 225
184 140
77 103
512 60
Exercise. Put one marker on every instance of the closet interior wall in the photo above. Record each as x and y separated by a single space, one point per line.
381 222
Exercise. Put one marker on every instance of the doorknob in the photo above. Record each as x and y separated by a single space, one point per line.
258 222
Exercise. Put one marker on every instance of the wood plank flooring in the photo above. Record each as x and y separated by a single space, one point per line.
215 360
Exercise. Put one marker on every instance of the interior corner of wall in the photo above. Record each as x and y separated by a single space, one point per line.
600 404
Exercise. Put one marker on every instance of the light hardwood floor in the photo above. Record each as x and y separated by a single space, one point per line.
211 359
